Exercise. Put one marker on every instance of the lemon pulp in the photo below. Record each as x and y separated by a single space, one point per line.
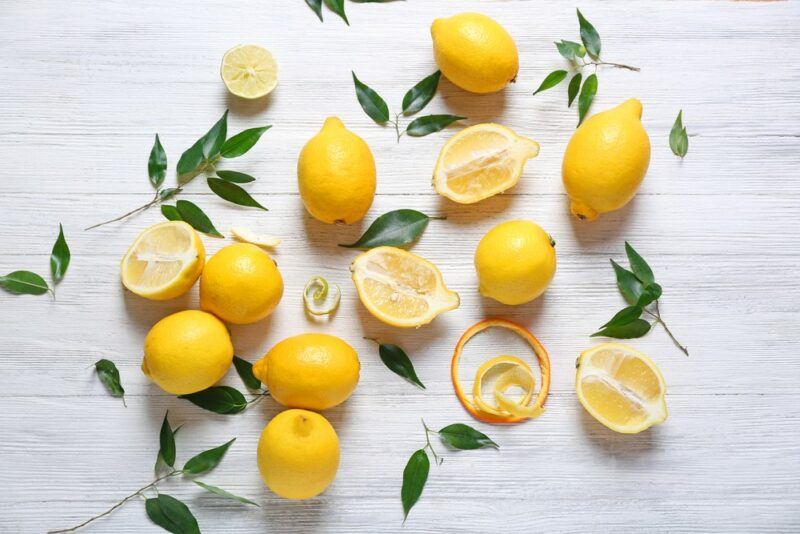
249 71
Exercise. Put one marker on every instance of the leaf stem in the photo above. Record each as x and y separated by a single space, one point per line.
610 64
150 204
428 445
397 126
136 493
657 317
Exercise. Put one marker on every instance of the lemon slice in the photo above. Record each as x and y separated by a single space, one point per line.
249 71
481 161
621 387
401 288
164 262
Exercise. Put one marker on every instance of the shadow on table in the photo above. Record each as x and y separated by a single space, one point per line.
607 227
477 108
627 446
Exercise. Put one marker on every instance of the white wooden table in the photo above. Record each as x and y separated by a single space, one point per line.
85 85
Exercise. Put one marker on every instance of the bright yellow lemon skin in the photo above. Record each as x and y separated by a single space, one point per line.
336 174
606 160
515 262
187 352
240 284
475 52
313 371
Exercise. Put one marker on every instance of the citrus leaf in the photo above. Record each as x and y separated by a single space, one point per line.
157 164
171 514
395 229
574 87
589 36
371 102
59 257
24 283
551 80
650 293
398 362
193 215
159 459
218 399
625 316
245 371
588 91
166 440
242 142
215 137
418 96
639 267
464 437
629 285
678 139
316 7
415 475
570 49
206 460
632 330
170 212
429 124
337 6
108 374
222 493
233 193
191 159
235 177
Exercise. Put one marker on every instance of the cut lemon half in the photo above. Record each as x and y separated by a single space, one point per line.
164 262
481 161
401 288
621 387
249 71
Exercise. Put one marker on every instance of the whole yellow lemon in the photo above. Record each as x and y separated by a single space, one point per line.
474 52
336 174
187 352
240 284
298 454
313 371
606 160
515 262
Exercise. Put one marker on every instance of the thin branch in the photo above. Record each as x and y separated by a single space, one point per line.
610 64
150 204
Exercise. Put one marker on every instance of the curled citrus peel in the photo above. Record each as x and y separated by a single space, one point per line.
517 374
320 298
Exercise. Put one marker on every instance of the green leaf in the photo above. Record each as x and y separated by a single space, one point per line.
170 212
215 137
108 374
171 514
316 7
371 102
632 330
398 362
218 399
159 460
206 460
625 316
235 177
222 493
193 215
570 49
464 437
678 139
588 91
191 159
233 193
242 142
429 124
337 6
574 87
395 229
59 257
24 283
166 440
418 96
245 371
157 164
589 36
414 477
629 285
552 79
168 193
650 293
639 267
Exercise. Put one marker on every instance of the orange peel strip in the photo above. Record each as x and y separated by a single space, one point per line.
516 373
541 356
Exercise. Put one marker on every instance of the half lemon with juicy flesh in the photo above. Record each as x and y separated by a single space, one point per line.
500 376
164 262
481 161
401 288
249 71
621 387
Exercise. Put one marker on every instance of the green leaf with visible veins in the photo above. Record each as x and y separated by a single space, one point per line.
429 124
215 137
242 142
639 267
464 437
573 88
157 164
678 138
371 102
24 283
316 7
337 6
218 399
589 36
396 228
236 177
59 257
551 80
171 514
109 376
625 316
629 285
196 217
632 330
415 475
588 91
206 460
398 362
233 193
418 96
170 212
222 493
245 371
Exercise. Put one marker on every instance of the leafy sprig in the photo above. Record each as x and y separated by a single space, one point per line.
639 288
202 157
576 54
398 228
164 510
337 6
678 139
414 101
227 400
30 283
415 475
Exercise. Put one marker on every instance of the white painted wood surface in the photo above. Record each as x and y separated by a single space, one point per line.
85 85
